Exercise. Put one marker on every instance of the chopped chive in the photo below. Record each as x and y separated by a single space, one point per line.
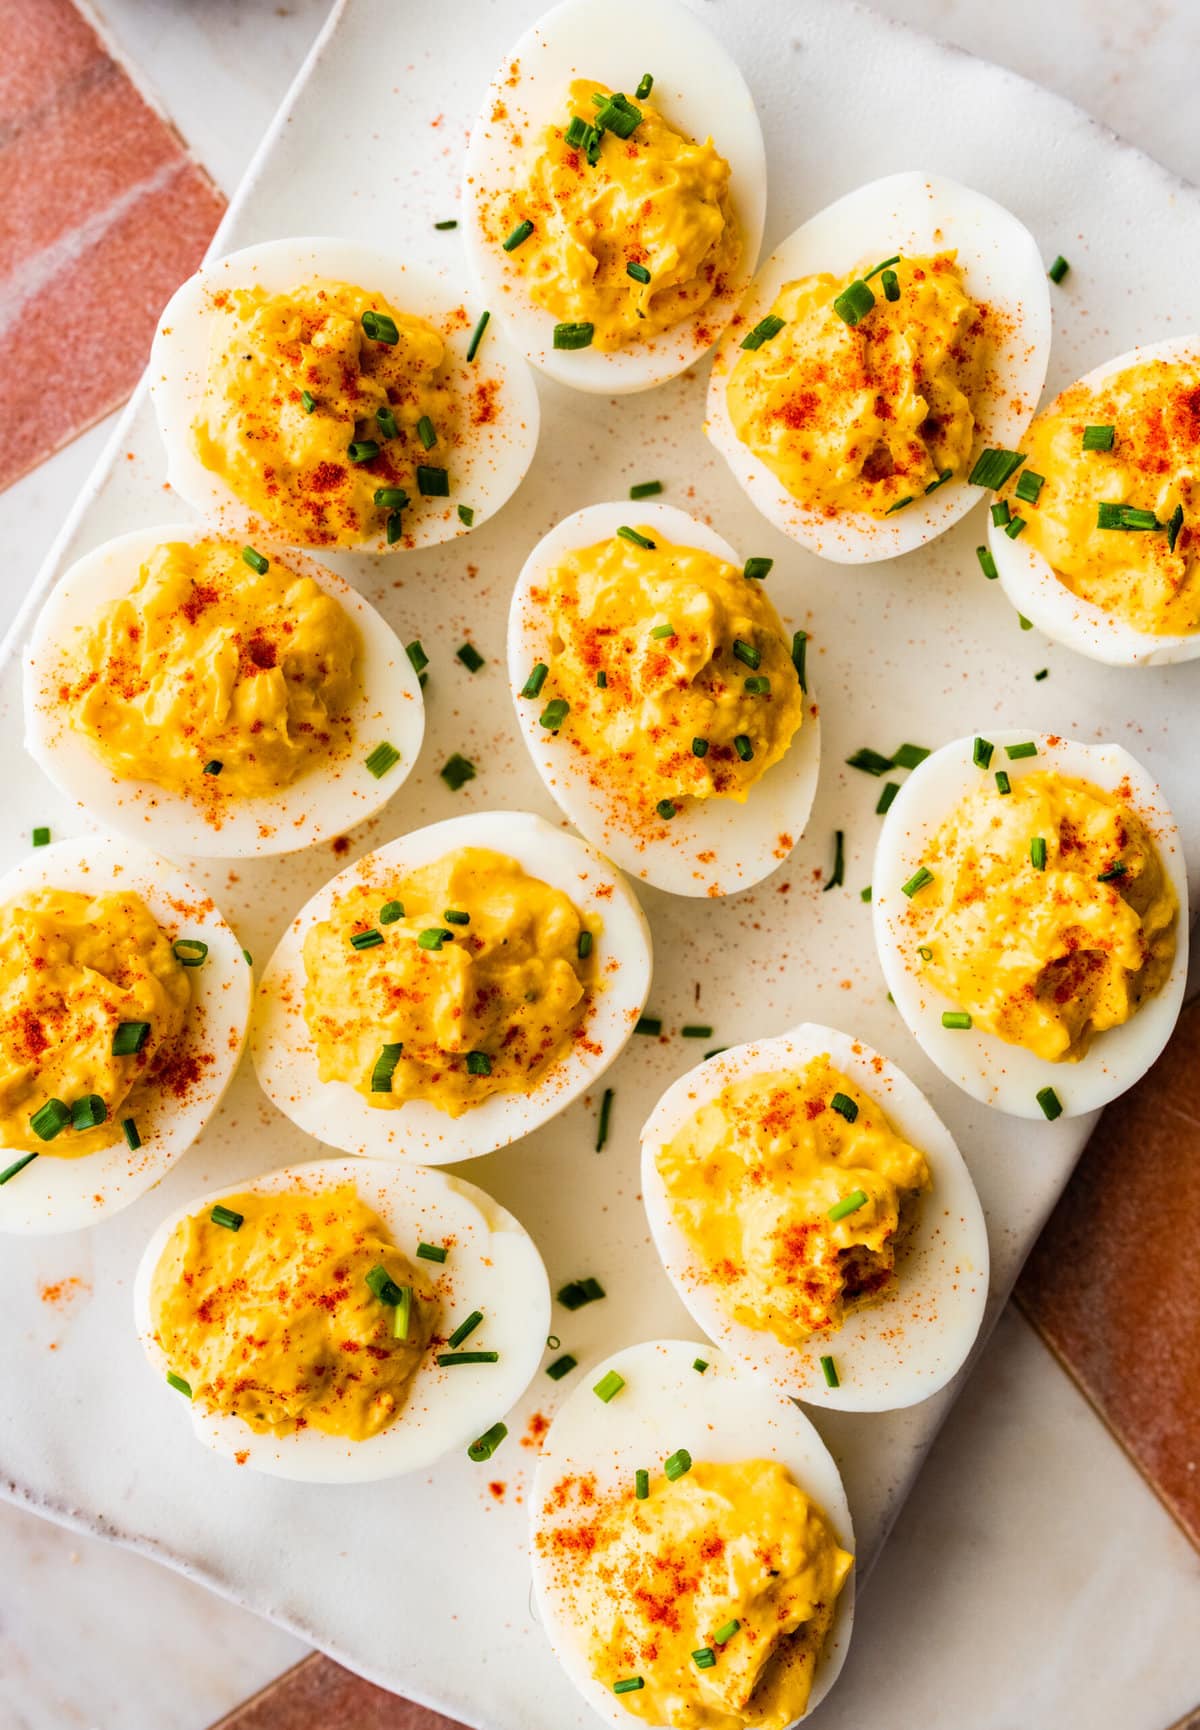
699 747
645 86
763 331
578 1292
899 505
641 1483
385 1067
891 288
309 401
41 837
909 756
743 747
583 947
1099 438
865 894
380 327
645 489
924 951
677 1464
255 561
1026 749
920 877
433 937
485 1445
1058 269
608 1386
1025 624
533 684
829 1371
837 875
132 1139
987 563
213 767
561 1367
758 686
663 631
553 1342
519 236
1014 527
1000 513
946 475
247 958
450 222
477 335
1128 517
466 516
478 1063
390 912
844 1106
699 1365
129 1038
638 272
651 1024
628 1685
554 714
799 651
227 1217
384 757
451 1360
602 1122
695 1030
432 483
956 1019
1050 1103
431 1252
385 419
390 498
756 569
628 534
981 754
417 655
870 762
993 467
1028 486
470 657
427 433
705 1658
890 789
1037 852
715 1052
1174 524
1003 784
456 771
366 939
854 302
178 1383
189 951
16 1166
618 115
725 1634
572 336
465 1329
886 265
455 916
402 1319
1114 873
362 450
1042 673
848 1204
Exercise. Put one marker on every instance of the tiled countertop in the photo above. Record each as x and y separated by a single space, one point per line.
1033 1580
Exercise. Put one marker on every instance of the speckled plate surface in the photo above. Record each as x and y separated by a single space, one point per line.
922 649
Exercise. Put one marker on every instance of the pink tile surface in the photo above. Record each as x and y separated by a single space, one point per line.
103 215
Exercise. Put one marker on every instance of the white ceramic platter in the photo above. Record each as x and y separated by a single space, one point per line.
922 650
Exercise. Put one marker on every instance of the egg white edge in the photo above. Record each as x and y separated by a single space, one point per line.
1007 1077
1031 584
723 1402
865 223
780 803
389 705
179 363
282 1050
663 33
415 1204
46 1197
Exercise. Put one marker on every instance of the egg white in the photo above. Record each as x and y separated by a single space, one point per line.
720 1416
697 87
484 471
493 1265
326 800
1031 584
999 1074
742 839
285 1057
55 1194
890 1353
910 214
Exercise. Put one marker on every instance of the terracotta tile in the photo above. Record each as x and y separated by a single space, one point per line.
103 215
319 1695
1112 1283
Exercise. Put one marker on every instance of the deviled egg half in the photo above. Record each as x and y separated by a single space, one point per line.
344 1320
1030 907
227 700
452 991
124 998
883 349
336 397
1094 531
615 192
691 1545
664 702
816 1217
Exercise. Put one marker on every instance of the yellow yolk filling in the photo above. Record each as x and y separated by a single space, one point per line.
274 1322
732 1549
73 967
655 200
208 661
486 1008
690 649
751 1179
293 467
1045 959
1153 408
866 417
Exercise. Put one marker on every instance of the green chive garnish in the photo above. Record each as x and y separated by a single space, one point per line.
677 1464
909 757
829 1371
844 1106
533 684
402 1319
465 1329
40 837
602 1121
477 335
799 651
385 419
426 432
255 561
1128 517
1026 749
1003 784
451 1360
756 569
628 534
695 1030
456 771
699 747
1113 874
610 1384
763 331
213 767
309 401
870 762
189 951
899 505
1000 513
486 1445
758 686
925 952
628 1685
519 236
578 1292
431 1252
394 528
725 1634
366 939
993 467
132 1138
1037 852
705 1658
651 1024
227 1217
1050 1103
981 755
470 657
645 489
16 1166
956 1019
561 1367
390 912
432 483
362 450
89 1112
1029 486
602 680
478 1063
987 563
574 335
891 291
178 1383
1014 527
1099 438
391 498
699 1365
920 877
450 222
849 1204
384 757
1058 269
1042 673
663 631
1174 524
641 1483
455 916
385 1067
743 747
854 302
638 272
433 937
837 875
381 327
645 86
554 714
865 894
583 947
129 1038
890 789
466 516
